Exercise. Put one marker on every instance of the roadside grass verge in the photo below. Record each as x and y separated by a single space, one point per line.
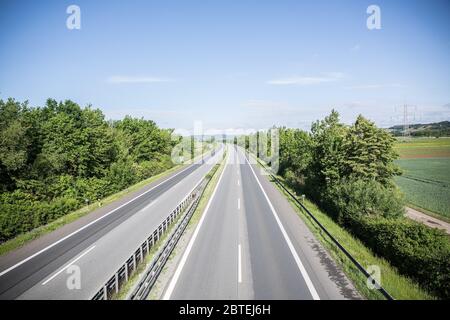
399 286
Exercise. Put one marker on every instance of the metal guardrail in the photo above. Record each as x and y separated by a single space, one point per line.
145 284
333 239
121 276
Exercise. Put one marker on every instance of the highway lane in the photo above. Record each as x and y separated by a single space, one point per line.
100 247
211 271
243 248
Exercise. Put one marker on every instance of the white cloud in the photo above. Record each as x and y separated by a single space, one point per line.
377 86
308 80
356 47
136 79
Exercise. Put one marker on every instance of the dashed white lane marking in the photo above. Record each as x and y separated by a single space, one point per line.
239 264
149 205
67 265
239 203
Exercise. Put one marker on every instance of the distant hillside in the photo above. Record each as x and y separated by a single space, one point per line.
437 129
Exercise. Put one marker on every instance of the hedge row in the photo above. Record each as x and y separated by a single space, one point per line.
416 250
25 215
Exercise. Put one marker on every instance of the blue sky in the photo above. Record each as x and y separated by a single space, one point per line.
231 64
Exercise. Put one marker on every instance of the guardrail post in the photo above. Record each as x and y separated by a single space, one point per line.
134 262
126 271
148 247
105 292
116 281
142 253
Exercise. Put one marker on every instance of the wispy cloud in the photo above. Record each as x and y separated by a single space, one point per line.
308 80
136 79
377 86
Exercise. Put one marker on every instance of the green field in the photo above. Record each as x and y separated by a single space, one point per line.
423 148
426 174
426 183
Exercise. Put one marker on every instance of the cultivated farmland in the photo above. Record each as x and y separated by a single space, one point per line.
426 174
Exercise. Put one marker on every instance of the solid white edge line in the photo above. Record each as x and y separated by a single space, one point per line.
67 265
239 264
88 225
300 266
186 253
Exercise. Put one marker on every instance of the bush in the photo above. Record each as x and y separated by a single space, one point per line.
147 169
415 250
352 198
20 213
92 189
122 174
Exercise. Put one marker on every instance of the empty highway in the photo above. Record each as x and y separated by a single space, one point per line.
250 244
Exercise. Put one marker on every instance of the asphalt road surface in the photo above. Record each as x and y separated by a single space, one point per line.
98 247
250 244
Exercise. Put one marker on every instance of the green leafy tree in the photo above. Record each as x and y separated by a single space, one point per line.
327 153
14 142
55 158
369 153
295 151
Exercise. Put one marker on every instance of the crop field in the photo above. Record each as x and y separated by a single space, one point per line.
426 174
423 148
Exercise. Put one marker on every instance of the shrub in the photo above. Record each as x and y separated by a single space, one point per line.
147 169
19 213
122 174
416 250
351 198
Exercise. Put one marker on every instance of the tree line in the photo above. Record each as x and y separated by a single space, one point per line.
57 158
348 171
